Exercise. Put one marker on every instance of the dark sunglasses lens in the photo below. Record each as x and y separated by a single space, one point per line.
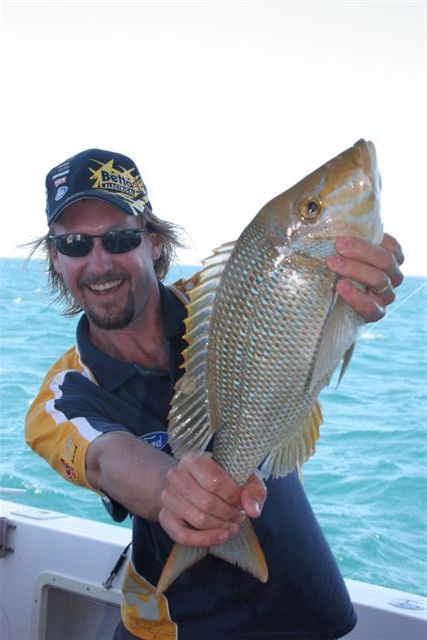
121 241
74 245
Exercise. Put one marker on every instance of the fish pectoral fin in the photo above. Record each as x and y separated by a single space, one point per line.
244 551
180 558
190 428
295 451
339 333
346 361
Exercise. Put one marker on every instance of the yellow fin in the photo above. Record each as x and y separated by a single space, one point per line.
292 452
189 425
180 558
178 289
242 550
182 287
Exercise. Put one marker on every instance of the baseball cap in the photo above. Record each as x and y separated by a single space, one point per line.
95 173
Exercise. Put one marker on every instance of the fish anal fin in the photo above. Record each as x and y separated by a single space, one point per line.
291 453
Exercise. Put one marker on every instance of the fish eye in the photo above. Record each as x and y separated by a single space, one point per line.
310 208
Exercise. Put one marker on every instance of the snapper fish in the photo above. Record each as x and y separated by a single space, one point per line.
265 331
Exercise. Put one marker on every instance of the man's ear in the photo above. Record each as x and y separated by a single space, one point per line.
156 246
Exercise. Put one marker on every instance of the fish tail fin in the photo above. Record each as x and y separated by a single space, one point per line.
242 550
180 558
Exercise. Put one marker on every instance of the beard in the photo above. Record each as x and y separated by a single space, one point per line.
111 315
113 318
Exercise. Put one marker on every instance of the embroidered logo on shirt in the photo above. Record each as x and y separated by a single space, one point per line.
157 439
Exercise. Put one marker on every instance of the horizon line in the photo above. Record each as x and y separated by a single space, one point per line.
177 264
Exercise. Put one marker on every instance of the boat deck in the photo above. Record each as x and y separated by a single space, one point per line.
52 583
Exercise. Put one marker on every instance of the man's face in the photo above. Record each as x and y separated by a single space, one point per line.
113 290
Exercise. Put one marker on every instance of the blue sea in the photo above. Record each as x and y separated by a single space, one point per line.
367 480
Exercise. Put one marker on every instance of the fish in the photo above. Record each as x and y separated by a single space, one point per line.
266 330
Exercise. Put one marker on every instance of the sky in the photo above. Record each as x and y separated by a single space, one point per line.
222 105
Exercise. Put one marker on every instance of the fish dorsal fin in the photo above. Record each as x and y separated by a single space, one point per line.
338 336
189 424
179 292
295 451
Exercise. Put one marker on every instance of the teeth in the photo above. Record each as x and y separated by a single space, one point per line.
105 286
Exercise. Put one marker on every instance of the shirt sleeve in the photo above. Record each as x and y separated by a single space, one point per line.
62 421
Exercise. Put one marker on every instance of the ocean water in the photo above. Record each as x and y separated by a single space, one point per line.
367 480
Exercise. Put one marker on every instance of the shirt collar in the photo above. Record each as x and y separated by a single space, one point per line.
110 372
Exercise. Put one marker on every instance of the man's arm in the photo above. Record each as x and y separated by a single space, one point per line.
196 502
91 452
129 471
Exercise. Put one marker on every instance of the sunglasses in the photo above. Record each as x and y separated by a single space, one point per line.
78 245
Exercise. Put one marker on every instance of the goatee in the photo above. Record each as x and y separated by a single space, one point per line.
114 319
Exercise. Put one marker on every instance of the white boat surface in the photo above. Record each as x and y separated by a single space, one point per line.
53 570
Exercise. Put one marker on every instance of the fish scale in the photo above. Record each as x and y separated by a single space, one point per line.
265 331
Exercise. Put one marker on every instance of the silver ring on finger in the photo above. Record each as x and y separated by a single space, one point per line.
382 290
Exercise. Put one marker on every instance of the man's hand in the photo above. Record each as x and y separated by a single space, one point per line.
195 501
375 266
201 504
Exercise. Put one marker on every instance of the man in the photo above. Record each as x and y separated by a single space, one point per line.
100 420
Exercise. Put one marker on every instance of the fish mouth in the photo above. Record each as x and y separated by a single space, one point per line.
367 153
368 161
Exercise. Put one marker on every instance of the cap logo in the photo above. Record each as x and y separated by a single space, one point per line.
118 179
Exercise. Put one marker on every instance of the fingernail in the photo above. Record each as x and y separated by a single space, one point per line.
344 286
257 507
343 243
335 262
381 311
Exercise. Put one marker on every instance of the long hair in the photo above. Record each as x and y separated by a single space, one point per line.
168 233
